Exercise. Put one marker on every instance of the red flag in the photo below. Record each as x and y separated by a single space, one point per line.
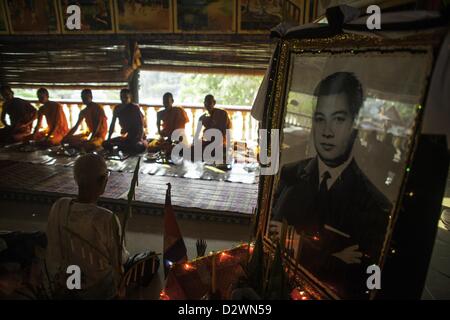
174 247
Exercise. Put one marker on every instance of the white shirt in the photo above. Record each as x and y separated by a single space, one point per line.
87 236
335 173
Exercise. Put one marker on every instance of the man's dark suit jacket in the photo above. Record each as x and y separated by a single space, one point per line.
353 206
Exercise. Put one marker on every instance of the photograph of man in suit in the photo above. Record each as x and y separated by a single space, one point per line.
339 214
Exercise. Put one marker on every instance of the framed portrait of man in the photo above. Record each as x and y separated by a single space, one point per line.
348 121
205 16
143 16
4 29
96 16
257 16
32 16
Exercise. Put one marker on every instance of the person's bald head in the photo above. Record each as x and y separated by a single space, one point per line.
209 102
42 95
125 96
86 96
91 174
168 100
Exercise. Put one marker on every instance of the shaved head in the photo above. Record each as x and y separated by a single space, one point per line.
209 102
91 174
6 93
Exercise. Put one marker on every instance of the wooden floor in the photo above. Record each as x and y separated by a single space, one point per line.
199 191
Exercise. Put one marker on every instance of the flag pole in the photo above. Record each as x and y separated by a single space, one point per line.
174 247
131 197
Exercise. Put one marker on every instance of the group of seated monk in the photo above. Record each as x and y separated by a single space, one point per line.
131 120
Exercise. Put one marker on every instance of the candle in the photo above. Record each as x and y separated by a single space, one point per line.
213 274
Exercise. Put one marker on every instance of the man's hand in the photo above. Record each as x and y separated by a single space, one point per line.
201 247
349 255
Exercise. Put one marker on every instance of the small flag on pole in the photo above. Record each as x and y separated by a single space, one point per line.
174 247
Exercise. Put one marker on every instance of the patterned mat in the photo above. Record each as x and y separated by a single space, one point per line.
207 195
26 176
246 173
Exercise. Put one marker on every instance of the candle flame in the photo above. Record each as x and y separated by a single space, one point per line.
188 267
163 295
224 256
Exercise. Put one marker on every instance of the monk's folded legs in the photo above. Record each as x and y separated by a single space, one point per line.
125 145
81 142
43 141
13 135
157 145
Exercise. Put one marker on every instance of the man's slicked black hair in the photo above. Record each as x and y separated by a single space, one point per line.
343 82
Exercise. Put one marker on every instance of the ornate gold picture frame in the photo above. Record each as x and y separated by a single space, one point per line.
347 59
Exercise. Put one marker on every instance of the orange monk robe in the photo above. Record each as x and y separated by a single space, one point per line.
96 121
217 119
172 119
56 122
95 118
131 120
21 115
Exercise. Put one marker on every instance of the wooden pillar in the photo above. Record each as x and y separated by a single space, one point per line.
133 84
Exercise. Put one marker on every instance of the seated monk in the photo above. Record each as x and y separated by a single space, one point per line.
21 116
131 120
57 126
167 121
96 122
81 233
215 118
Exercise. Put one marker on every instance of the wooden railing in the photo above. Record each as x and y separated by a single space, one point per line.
298 119
245 128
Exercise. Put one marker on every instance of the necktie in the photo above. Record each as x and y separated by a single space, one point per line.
323 199
323 188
